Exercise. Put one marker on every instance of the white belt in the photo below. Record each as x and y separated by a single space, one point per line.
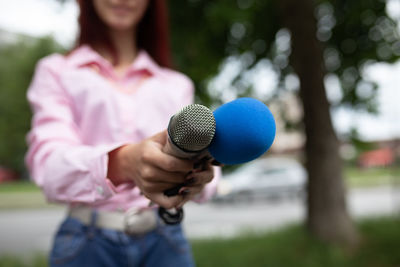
132 222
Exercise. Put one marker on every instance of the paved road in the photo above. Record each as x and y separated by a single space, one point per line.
26 231
228 220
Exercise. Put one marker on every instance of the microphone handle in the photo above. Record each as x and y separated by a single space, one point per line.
173 216
171 149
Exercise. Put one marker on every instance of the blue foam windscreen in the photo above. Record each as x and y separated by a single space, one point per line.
245 129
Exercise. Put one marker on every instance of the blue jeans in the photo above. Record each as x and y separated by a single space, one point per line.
76 244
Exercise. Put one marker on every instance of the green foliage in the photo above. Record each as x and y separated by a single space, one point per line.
294 247
359 144
362 34
204 33
16 71
353 34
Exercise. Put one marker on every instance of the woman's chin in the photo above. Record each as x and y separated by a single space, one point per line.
121 27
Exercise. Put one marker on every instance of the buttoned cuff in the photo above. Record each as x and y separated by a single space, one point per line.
104 187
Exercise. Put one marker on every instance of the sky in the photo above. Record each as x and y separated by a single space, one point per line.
48 17
386 124
40 17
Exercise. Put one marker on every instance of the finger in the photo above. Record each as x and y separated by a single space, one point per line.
166 202
214 162
167 162
190 191
157 175
160 137
189 194
204 167
197 178
158 187
183 202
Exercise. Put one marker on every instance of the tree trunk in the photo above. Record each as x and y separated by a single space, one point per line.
327 216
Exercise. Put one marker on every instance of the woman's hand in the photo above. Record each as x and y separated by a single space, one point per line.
195 182
153 171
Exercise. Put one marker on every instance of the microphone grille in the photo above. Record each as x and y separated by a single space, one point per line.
192 128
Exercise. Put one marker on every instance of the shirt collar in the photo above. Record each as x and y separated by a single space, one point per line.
144 61
85 55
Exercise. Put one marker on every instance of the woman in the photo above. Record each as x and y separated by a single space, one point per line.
98 130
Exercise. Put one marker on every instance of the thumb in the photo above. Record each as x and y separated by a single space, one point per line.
160 137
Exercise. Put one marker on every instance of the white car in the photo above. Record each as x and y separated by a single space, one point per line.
263 178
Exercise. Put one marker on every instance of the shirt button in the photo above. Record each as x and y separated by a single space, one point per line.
100 190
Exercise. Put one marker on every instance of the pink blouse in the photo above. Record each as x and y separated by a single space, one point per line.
83 110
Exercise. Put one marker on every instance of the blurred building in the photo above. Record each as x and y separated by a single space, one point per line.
386 154
382 157
287 111
291 140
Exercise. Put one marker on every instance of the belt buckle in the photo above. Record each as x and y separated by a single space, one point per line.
138 222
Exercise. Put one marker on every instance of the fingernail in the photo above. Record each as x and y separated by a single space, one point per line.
189 175
190 181
184 191
197 170
215 163
206 158
197 165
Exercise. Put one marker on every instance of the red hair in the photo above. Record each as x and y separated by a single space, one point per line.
152 32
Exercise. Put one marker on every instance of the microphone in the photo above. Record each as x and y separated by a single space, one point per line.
245 130
236 132
190 131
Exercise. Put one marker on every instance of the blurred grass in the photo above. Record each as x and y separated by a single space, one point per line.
290 246
19 187
37 260
356 177
22 195
293 247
